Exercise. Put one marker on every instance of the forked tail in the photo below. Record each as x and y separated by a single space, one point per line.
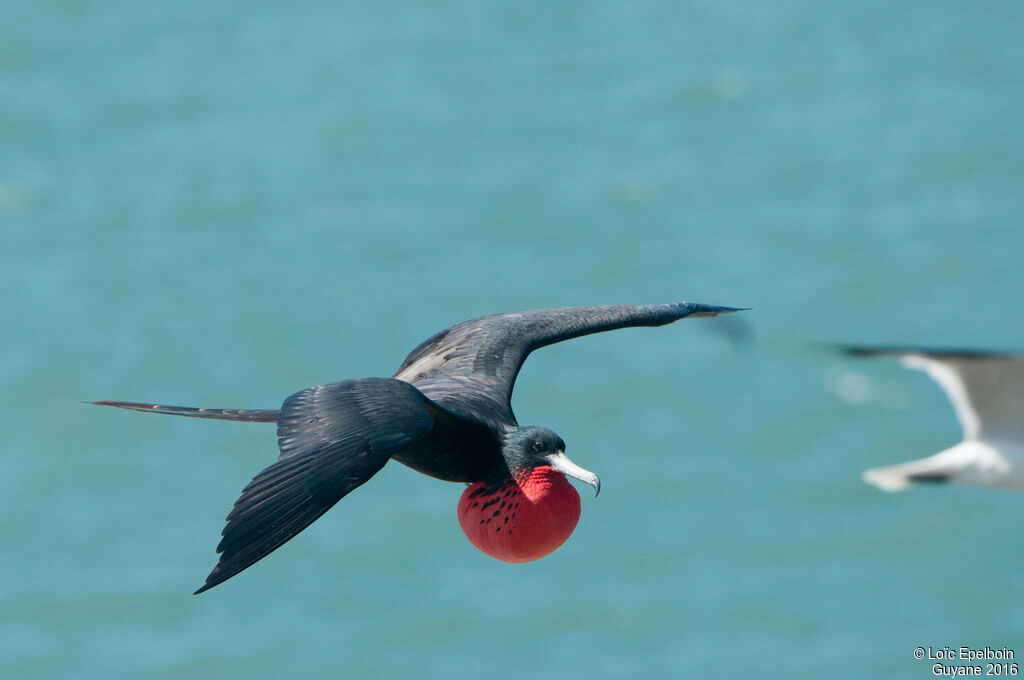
244 414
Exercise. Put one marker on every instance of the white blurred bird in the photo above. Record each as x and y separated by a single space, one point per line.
987 392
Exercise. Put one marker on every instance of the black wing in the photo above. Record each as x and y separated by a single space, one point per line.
471 368
332 438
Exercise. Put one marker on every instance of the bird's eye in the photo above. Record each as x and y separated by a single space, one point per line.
539 446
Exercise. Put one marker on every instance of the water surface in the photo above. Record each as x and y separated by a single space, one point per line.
220 205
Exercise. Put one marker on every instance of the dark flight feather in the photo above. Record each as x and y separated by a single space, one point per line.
333 438
934 352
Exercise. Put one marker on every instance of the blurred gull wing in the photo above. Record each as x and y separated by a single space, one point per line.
987 393
985 388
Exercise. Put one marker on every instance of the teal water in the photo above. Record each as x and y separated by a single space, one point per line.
220 205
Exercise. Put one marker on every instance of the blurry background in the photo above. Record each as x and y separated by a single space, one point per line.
220 204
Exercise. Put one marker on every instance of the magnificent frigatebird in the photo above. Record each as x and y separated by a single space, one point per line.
987 392
447 413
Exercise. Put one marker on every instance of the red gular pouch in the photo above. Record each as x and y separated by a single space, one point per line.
522 519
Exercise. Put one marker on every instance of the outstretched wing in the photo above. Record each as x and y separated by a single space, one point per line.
482 357
985 388
332 438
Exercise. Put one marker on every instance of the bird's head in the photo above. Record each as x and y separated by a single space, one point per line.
526 448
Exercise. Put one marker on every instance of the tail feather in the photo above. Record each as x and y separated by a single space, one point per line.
249 415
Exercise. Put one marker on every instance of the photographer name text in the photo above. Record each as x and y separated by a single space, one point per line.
981 661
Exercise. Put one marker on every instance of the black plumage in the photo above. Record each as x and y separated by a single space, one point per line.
446 412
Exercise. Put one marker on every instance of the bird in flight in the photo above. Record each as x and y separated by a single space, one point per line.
987 392
447 413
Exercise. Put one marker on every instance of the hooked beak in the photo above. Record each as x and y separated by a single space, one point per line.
559 461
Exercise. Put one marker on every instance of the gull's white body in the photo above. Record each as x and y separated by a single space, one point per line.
987 393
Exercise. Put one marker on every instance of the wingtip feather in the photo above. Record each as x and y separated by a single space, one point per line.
698 309
886 479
